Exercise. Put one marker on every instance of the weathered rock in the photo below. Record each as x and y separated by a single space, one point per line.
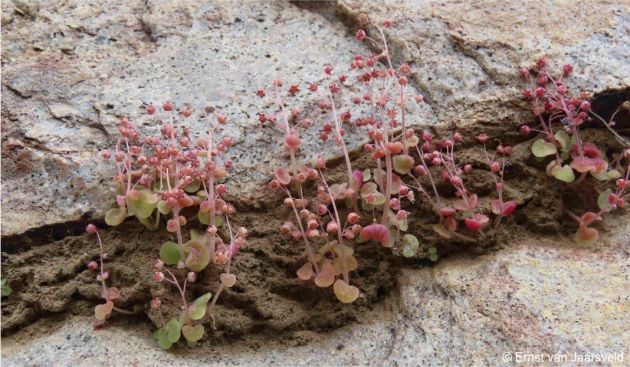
466 55
526 299
62 96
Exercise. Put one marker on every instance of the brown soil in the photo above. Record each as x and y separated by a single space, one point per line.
50 281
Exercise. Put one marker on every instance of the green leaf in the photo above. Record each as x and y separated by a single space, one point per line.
412 141
433 257
403 163
370 190
563 173
115 216
198 255
542 148
198 236
432 250
163 207
161 335
193 187
602 200
564 139
367 175
6 289
173 330
608 175
193 333
191 344
199 310
144 206
410 245
169 253
204 218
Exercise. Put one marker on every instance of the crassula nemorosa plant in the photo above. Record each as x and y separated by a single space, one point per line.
157 178
372 101
561 116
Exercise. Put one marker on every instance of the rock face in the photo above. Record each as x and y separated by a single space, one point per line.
465 312
465 54
62 96
71 69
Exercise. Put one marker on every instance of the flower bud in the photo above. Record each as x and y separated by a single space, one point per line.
158 276
90 228
156 303
158 264
191 277
92 265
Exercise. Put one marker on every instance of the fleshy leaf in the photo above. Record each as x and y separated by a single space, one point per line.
542 148
345 292
351 264
163 207
115 216
367 175
410 245
586 236
204 218
602 200
169 253
198 310
228 280
6 289
144 206
198 255
193 333
326 276
198 236
563 173
412 141
564 139
102 311
161 335
193 187
305 272
375 232
403 163
607 175
173 330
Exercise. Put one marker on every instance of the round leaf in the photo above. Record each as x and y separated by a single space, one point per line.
163 207
6 289
173 330
169 253
102 311
542 148
602 200
199 310
193 333
161 335
345 292
403 163
198 255
410 245
563 173
115 216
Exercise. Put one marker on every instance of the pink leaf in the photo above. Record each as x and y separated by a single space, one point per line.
375 232
282 175
508 208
